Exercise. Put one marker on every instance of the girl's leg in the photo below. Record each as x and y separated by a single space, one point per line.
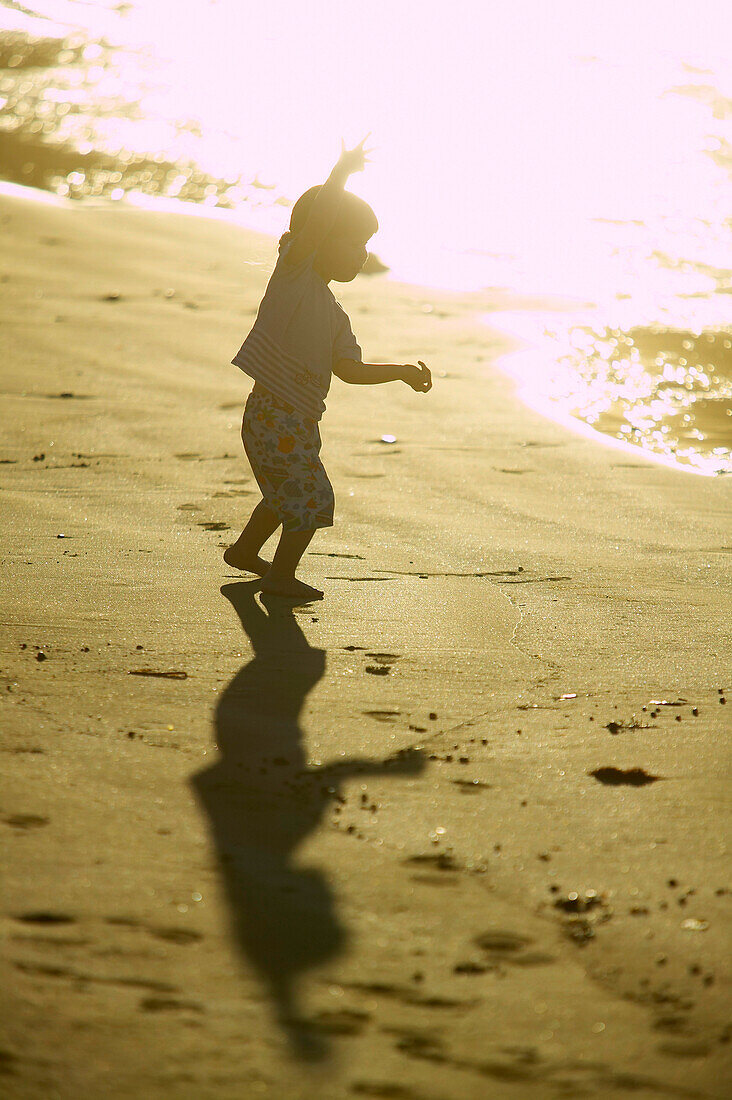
280 580
244 554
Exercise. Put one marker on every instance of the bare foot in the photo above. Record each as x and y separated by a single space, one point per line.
290 587
250 563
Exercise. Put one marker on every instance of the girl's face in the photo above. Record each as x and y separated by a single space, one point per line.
341 257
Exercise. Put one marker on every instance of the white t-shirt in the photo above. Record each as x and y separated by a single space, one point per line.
299 333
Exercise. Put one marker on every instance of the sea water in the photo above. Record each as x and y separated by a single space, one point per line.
571 160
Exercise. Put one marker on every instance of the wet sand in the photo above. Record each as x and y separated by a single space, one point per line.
456 831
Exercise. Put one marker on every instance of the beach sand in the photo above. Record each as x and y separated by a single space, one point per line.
356 849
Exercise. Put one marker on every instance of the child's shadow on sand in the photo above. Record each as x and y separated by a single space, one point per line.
262 800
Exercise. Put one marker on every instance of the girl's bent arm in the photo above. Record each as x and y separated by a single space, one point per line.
371 374
367 374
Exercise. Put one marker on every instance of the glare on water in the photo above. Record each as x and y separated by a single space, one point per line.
568 149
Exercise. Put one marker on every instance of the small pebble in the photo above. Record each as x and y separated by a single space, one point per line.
40 656
433 716
694 925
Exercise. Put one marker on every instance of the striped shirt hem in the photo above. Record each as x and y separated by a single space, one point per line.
264 360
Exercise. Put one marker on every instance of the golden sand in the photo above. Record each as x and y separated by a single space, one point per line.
456 831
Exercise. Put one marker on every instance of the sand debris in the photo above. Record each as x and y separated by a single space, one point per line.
173 674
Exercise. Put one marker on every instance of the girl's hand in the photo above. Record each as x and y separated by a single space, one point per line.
353 160
419 378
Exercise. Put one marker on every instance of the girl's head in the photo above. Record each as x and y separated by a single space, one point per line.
343 252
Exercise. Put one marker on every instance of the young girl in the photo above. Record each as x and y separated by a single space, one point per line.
301 336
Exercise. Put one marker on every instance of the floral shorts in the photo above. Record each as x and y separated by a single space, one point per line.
283 448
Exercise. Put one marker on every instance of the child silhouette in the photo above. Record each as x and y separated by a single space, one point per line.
300 338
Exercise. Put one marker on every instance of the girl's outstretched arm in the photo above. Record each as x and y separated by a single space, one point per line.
324 210
371 374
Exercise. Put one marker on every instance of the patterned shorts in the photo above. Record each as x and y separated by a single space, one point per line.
283 448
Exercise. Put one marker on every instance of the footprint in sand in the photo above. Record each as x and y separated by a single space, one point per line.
441 861
439 869
511 948
615 777
405 995
24 821
169 1004
344 1021
502 943
385 661
175 935
471 786
45 917
170 934
386 1090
